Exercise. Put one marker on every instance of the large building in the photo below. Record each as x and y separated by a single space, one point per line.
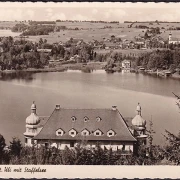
67 127
173 40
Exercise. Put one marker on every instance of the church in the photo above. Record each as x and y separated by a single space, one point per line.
67 127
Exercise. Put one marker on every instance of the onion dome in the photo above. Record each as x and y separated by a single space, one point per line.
33 118
138 120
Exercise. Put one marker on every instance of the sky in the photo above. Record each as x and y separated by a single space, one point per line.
10 11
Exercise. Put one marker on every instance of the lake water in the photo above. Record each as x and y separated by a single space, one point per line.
74 89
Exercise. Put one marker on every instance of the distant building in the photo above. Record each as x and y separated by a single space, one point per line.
126 64
1 47
44 50
173 40
67 127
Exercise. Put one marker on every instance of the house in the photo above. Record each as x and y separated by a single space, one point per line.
173 40
1 47
126 64
67 127
44 50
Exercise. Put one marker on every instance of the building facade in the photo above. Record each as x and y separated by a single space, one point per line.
173 40
126 64
68 127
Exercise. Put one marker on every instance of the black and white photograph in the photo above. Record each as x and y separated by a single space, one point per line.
89 84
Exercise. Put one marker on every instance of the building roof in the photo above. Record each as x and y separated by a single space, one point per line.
44 50
62 119
126 61
175 39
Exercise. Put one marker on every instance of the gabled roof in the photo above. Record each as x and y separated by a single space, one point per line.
111 119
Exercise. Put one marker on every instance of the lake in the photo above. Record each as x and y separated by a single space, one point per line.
75 89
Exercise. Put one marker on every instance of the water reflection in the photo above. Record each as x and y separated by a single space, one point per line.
20 75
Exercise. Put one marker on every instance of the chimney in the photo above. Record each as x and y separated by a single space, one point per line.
57 106
114 108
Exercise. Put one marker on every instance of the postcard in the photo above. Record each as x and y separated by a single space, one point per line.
89 90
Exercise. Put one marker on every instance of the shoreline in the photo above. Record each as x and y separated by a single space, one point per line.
86 69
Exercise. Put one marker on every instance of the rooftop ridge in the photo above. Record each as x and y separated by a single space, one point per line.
85 108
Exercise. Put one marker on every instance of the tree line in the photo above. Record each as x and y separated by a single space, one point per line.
22 54
160 59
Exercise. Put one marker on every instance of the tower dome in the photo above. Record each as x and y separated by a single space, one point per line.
33 118
138 120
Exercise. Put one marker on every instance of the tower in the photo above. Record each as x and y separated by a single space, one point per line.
170 37
139 126
32 126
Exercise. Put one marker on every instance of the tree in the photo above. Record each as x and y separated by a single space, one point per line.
15 147
2 145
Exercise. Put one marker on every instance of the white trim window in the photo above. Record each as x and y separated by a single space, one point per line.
85 132
98 119
59 132
73 118
98 132
73 132
111 133
86 119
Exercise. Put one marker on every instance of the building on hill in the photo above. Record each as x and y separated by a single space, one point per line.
126 64
173 40
67 127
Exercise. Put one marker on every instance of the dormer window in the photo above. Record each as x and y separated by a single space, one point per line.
59 132
98 119
73 118
73 132
98 133
86 119
85 132
111 133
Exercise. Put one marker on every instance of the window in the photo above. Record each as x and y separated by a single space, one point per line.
46 145
98 133
98 119
85 132
71 144
73 118
111 133
25 140
73 132
59 132
123 147
86 119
